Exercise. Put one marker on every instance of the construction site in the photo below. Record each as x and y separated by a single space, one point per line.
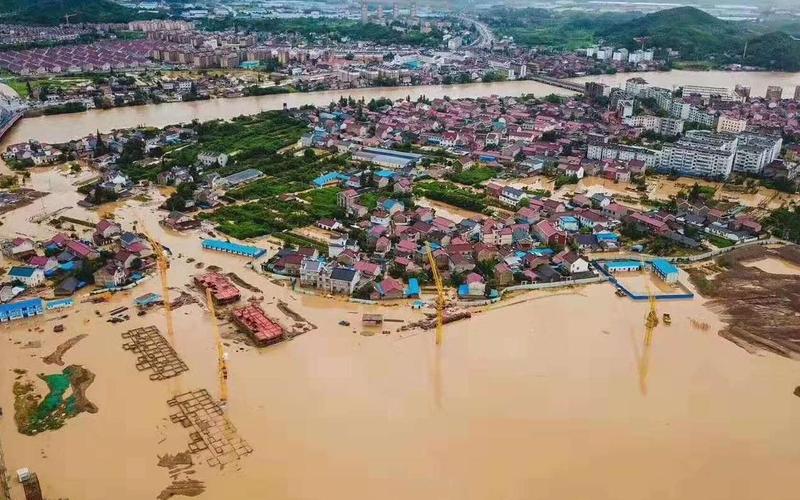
760 307
189 392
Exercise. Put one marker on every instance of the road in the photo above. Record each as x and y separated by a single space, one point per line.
485 36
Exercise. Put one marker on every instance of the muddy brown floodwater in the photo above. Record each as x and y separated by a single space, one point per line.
539 399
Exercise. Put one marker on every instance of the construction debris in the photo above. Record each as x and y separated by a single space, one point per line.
185 487
372 319
430 322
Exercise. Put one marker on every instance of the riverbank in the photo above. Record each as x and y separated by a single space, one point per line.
60 128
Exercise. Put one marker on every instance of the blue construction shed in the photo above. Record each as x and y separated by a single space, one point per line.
21 309
665 270
623 266
59 304
234 248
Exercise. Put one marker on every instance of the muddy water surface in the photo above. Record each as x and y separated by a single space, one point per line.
539 399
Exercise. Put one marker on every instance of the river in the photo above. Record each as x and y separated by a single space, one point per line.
64 127
61 128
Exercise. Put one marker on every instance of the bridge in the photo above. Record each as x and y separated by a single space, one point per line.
555 82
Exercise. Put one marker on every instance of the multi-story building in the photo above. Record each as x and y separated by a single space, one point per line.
774 93
636 87
797 93
730 125
658 124
599 150
709 92
700 153
754 152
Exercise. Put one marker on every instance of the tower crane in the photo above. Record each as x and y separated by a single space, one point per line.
440 296
222 364
650 323
163 266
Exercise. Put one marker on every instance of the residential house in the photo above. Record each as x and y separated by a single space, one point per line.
110 275
546 232
29 276
339 280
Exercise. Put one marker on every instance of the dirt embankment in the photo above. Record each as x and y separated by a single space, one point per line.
80 379
56 357
761 310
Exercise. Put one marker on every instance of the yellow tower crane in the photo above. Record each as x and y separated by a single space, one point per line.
163 267
650 323
440 296
222 365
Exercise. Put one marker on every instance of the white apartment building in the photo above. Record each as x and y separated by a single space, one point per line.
660 125
603 151
708 92
696 160
620 55
700 153
754 152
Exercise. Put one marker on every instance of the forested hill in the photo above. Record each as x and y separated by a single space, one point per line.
696 34
687 29
49 12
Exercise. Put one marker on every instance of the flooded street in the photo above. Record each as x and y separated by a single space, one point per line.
536 397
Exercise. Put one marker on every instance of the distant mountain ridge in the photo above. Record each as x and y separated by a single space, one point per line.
50 12
699 35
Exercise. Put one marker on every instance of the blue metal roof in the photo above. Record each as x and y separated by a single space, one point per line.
607 236
664 267
623 264
388 204
328 178
60 303
225 246
542 252
22 271
413 289
13 307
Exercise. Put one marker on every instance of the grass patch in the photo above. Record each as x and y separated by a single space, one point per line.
449 193
719 242
472 176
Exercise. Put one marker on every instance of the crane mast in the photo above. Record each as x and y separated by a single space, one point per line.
222 365
440 295
650 323
163 267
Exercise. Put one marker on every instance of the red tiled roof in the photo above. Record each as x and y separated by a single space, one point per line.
258 324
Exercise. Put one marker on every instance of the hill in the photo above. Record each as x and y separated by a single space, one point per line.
693 32
48 12
775 50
